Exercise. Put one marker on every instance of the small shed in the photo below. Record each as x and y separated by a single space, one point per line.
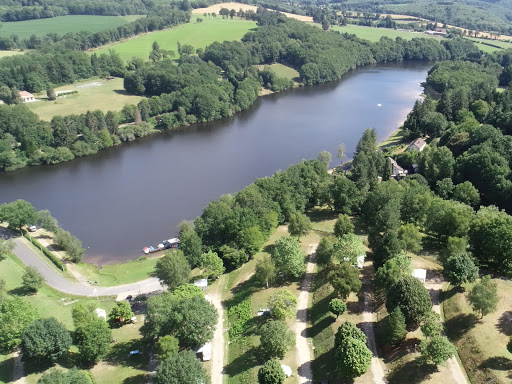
287 370
420 274
201 283
101 313
205 352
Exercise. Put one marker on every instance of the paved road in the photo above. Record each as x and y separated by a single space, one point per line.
30 258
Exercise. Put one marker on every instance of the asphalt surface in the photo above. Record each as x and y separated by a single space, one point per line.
30 258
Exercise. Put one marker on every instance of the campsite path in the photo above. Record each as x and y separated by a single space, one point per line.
303 347
18 375
218 342
30 257
435 287
368 323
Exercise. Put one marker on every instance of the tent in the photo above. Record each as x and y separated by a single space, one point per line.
287 370
201 283
101 313
420 274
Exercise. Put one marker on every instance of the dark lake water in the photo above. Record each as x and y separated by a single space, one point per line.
134 195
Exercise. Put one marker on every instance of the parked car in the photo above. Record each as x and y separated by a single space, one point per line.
32 228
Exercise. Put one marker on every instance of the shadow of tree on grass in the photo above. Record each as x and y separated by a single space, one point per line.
459 325
505 323
412 372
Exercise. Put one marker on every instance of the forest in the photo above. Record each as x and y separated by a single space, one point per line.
188 91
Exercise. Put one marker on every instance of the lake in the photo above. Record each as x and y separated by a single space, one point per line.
135 194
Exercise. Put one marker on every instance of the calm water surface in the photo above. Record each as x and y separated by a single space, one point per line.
134 195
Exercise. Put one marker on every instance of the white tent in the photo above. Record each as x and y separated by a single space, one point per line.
101 313
205 351
360 261
287 370
201 283
420 274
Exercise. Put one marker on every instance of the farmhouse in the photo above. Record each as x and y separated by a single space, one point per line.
27 97
417 145
396 170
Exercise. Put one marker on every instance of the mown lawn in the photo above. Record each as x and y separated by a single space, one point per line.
374 34
284 71
63 24
199 35
93 94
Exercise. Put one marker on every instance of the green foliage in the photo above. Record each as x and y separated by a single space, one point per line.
484 296
353 357
70 244
6 247
15 316
276 339
412 298
466 193
344 279
92 337
343 226
82 313
369 162
460 269
184 367
325 250
449 218
396 329
233 258
121 313
191 320
190 243
454 246
393 271
438 349
167 347
337 307
239 315
345 195
32 280
265 273
57 376
46 221
251 240
325 157
410 236
187 290
45 339
288 257
348 330
18 214
271 373
381 209
436 164
299 225
348 248
173 269
212 265
282 304
431 325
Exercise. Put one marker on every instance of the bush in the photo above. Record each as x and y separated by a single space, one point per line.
337 307
241 313
70 244
271 373
54 259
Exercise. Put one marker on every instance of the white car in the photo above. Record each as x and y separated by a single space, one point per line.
32 228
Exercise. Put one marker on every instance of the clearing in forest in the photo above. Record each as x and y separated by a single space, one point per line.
374 34
64 24
199 35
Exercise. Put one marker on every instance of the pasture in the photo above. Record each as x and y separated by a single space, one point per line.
93 94
374 34
63 24
199 35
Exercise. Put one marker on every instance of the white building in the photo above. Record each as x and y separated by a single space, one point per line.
420 274
417 145
27 97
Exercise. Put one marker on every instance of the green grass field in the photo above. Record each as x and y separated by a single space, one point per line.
374 34
10 53
64 24
106 95
284 71
199 35
482 44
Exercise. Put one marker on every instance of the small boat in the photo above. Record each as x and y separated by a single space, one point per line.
152 249
145 250
161 246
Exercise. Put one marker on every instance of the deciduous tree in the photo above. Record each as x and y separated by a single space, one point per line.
45 339
393 270
343 226
92 338
344 279
121 313
46 221
18 213
460 269
173 269
212 265
167 347
431 325
276 339
265 272
32 280
184 367
6 247
299 225
288 257
15 316
353 357
410 236
58 376
412 298
438 349
282 304
484 296
337 307
271 373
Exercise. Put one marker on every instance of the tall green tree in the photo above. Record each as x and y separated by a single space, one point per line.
18 214
344 279
190 243
276 339
289 257
265 272
411 238
46 221
431 325
92 337
325 250
343 226
353 357
412 298
460 269
15 316
438 349
348 248
184 367
32 280
282 304
299 225
6 247
58 376
393 271
212 265
337 307
167 347
121 313
484 296
45 339
396 329
173 269
271 373
325 158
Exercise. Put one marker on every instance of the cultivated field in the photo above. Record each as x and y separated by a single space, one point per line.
245 7
93 94
63 24
374 34
199 35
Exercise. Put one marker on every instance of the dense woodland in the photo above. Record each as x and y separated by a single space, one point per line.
188 91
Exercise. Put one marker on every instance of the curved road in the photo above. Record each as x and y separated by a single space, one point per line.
30 258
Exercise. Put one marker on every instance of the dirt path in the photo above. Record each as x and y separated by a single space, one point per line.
376 366
18 375
435 287
218 342
303 344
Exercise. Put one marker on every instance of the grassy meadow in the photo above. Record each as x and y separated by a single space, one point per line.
199 35
63 24
374 34
106 95
283 71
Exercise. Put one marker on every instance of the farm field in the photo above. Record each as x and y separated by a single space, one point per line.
64 24
199 35
10 53
93 94
374 34
283 71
